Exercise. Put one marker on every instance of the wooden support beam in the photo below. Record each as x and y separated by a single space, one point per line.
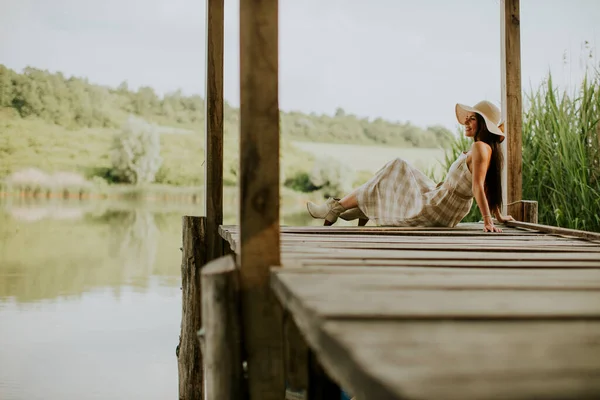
189 354
296 359
222 330
512 104
320 385
595 236
259 197
213 166
524 211
530 211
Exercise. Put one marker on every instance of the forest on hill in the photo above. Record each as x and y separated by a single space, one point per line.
76 103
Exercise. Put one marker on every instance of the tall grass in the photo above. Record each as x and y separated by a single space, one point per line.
561 149
561 155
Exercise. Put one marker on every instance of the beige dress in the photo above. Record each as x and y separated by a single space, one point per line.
401 195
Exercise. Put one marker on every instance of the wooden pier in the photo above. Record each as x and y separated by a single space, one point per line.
273 312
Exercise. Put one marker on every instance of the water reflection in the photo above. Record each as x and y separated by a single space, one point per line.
66 249
43 258
90 300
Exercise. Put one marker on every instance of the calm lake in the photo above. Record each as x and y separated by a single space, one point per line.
90 300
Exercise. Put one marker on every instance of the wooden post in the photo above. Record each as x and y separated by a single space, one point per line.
295 358
213 166
512 104
189 353
222 330
530 211
259 197
320 386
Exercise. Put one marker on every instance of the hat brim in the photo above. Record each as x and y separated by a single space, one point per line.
463 110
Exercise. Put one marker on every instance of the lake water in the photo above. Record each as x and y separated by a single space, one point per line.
90 299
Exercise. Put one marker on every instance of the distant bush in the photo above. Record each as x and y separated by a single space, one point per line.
135 153
333 178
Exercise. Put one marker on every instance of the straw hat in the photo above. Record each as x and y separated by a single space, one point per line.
489 112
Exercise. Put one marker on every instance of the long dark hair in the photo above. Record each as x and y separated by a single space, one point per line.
493 176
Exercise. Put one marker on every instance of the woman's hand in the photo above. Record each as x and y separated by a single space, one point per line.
488 225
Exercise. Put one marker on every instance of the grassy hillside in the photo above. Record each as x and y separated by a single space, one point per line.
56 123
76 103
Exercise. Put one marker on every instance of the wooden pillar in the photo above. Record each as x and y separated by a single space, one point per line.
259 197
512 104
530 211
296 358
189 354
222 330
213 166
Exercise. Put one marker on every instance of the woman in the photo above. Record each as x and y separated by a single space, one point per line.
401 195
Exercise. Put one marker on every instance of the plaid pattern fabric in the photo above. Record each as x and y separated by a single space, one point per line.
401 195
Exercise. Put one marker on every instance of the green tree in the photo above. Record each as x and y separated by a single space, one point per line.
135 152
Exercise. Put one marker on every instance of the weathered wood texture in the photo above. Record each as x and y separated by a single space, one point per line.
512 103
259 196
213 166
348 295
530 211
594 236
222 330
190 365
464 359
363 298
382 349
295 356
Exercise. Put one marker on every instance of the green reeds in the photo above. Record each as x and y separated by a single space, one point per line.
561 149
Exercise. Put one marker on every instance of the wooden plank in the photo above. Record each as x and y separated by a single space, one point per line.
373 230
448 278
463 360
470 226
213 166
475 241
440 247
315 260
342 254
222 329
372 298
550 239
296 353
468 343
557 230
512 104
189 354
259 196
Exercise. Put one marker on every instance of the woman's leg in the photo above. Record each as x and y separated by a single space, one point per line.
350 200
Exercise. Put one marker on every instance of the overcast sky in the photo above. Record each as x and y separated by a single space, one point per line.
401 60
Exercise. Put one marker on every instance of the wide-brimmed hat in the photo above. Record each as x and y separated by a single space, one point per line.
489 112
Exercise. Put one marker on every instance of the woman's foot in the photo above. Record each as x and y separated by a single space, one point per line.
330 211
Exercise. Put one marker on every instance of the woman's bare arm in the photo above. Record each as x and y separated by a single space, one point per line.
481 153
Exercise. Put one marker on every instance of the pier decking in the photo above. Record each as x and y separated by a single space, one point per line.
386 313
415 313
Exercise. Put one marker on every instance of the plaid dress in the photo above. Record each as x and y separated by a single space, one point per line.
401 195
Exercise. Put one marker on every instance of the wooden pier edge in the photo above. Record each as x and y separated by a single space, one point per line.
189 354
223 368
